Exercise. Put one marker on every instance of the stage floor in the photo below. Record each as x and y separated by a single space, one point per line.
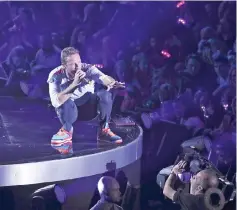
26 127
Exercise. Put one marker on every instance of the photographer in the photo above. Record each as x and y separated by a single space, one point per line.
199 183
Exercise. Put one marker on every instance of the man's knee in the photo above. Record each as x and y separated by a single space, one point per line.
68 108
66 105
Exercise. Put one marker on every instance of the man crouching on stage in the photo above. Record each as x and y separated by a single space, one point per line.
72 85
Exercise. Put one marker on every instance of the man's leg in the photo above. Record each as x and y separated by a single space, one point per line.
67 114
105 107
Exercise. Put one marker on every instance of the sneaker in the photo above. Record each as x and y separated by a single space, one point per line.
61 138
109 135
65 150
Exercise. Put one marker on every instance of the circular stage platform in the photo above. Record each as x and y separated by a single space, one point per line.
27 158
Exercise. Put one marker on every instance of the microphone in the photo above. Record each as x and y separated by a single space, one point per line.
84 79
106 80
85 67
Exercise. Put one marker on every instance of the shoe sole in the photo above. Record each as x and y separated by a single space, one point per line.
64 151
118 141
61 142
102 135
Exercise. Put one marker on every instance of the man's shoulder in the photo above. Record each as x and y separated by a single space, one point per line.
92 70
182 194
85 66
106 206
55 74
189 201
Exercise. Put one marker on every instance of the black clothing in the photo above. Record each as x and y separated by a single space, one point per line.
188 201
105 205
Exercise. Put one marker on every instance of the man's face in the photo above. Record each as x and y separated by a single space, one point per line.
193 66
221 69
16 60
73 63
114 192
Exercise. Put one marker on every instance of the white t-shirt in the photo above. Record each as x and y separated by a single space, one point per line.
58 81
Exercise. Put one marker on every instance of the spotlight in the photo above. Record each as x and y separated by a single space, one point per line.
225 106
181 21
100 66
165 53
48 198
180 4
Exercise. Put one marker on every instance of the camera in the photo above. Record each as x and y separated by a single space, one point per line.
195 164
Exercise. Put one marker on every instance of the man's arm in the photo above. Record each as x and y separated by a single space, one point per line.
66 94
185 200
169 184
93 73
168 190
58 98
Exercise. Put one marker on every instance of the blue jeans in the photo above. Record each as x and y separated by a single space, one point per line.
68 112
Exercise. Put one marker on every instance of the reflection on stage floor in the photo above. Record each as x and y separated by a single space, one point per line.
26 127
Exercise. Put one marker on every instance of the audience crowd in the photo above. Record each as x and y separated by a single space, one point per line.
177 60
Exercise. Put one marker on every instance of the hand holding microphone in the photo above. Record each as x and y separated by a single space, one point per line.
107 81
79 76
